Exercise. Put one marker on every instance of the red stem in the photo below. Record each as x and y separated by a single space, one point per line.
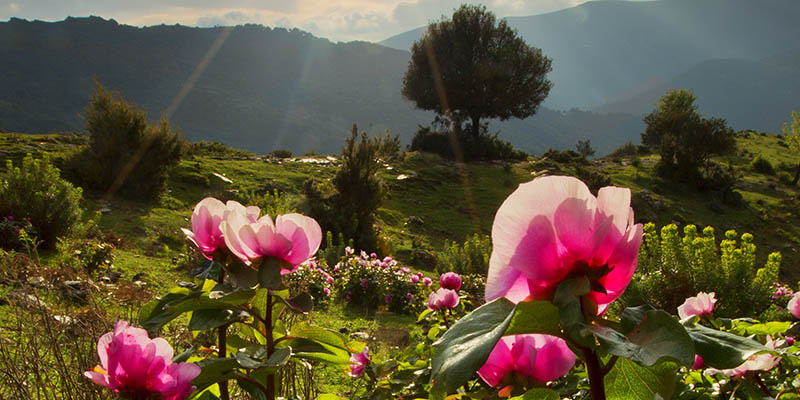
222 347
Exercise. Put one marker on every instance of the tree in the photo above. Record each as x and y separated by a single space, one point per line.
471 67
792 134
684 139
584 147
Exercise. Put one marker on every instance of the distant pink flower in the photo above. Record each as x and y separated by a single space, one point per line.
427 281
10 217
414 279
137 367
552 228
373 255
794 305
419 274
443 298
365 283
293 238
387 259
789 340
450 280
348 296
359 362
387 298
544 358
205 233
702 304
698 362
409 296
326 291
349 251
756 362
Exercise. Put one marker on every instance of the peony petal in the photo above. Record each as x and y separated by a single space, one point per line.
615 202
538 255
553 358
502 281
622 263
100 379
304 233
499 363
574 222
102 348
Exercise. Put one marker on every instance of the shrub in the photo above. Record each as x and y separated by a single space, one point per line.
125 154
281 153
564 156
271 203
628 149
594 179
388 146
313 279
215 149
37 194
672 268
762 166
469 147
364 281
10 228
584 147
471 257
331 252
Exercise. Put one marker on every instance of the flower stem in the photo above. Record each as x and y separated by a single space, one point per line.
268 332
222 344
597 388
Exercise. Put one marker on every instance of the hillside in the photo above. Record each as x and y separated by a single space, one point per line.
437 199
756 95
609 50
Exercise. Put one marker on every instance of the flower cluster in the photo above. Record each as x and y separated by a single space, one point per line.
291 238
10 228
138 367
364 280
311 277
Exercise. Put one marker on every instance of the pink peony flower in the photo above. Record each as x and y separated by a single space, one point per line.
794 305
756 362
427 281
293 238
414 279
373 255
387 298
450 280
349 251
409 296
138 367
443 298
698 362
552 228
326 291
205 233
543 358
358 362
365 283
702 304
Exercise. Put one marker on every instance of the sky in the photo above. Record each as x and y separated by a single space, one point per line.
337 20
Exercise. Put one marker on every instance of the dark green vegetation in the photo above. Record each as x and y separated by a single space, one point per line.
250 87
470 67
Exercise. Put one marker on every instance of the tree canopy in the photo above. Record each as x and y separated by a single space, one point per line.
471 67
684 139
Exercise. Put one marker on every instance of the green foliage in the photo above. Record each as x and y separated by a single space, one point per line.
388 146
35 192
468 147
762 165
672 268
565 156
685 140
792 136
271 203
332 252
584 147
359 189
627 149
125 153
594 178
471 257
469 57
281 153
368 283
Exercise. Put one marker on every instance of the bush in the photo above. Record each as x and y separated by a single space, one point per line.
472 257
584 147
37 194
388 146
215 149
125 154
762 166
594 179
628 149
271 203
470 148
331 252
565 156
281 153
672 268
364 281
313 279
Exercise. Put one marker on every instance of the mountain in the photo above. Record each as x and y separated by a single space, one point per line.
604 51
757 95
250 86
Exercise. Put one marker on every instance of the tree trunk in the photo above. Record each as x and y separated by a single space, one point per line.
476 125
796 175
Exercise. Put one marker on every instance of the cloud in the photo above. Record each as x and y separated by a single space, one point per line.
227 19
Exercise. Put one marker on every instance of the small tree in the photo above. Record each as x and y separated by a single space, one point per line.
684 139
125 153
792 134
360 190
585 148
471 67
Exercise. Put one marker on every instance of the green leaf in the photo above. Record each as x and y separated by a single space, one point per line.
242 275
537 394
186 354
214 318
633 316
534 317
723 350
213 370
767 328
568 300
310 350
252 390
424 314
658 337
153 316
464 348
303 303
279 357
319 334
630 381
269 273
231 300
328 396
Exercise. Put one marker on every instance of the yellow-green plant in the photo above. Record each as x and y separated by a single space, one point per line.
673 267
470 258
793 139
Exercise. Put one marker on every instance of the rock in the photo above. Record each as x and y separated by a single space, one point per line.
114 276
415 220
25 300
139 277
105 210
36 281
63 319
78 290
363 336
140 284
